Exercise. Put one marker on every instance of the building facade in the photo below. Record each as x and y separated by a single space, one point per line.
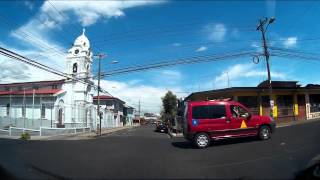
114 112
291 101
59 103
128 113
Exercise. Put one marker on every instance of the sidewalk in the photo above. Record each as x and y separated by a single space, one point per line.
297 122
82 136
280 125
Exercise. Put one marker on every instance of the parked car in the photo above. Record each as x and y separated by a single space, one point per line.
161 127
205 121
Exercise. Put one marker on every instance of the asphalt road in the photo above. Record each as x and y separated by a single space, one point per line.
142 153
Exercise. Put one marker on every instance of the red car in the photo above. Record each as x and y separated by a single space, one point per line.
212 120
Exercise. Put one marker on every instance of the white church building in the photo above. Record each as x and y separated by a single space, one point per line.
61 103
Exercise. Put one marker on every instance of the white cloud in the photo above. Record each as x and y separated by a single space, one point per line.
174 75
202 48
216 32
89 13
29 4
290 42
256 46
35 34
27 72
150 96
176 44
244 75
166 77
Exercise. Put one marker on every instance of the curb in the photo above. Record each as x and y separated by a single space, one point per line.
174 135
110 132
297 123
80 136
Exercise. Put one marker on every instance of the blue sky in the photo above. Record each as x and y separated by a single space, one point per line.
143 32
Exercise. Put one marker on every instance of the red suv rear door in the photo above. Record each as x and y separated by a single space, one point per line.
210 118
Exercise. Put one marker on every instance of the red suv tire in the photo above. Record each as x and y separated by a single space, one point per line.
264 132
202 140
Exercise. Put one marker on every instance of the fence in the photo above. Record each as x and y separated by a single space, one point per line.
43 131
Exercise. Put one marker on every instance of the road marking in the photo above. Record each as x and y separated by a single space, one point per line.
285 125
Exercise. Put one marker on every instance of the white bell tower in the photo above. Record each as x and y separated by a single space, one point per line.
79 58
79 95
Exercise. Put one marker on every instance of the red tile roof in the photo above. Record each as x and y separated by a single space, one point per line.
33 83
30 92
105 97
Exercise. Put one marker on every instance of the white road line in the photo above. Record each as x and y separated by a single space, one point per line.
286 125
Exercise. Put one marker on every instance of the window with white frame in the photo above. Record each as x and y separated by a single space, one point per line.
43 111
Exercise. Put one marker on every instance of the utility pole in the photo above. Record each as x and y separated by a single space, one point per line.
139 110
24 108
100 56
263 25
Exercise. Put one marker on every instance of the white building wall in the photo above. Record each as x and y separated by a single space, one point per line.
76 100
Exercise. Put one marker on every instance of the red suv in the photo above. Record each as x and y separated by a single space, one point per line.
208 120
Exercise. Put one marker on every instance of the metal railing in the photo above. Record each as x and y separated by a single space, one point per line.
43 131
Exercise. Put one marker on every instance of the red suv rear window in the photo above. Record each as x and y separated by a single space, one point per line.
208 112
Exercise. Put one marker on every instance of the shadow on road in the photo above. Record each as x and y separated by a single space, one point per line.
4 174
184 145
189 145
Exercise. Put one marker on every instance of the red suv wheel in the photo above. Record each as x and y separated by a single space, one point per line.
202 140
264 133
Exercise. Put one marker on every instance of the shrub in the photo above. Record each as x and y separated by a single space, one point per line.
25 136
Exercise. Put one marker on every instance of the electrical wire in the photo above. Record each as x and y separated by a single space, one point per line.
191 60
31 37
13 55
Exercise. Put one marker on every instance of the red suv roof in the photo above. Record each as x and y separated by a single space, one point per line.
212 102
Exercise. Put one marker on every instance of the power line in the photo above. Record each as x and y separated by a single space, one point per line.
135 37
13 55
61 35
60 13
295 55
160 30
30 36
192 60
293 51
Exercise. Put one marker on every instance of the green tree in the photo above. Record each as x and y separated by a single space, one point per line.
170 108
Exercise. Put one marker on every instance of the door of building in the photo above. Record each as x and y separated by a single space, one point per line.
59 125
285 108
301 107
265 103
